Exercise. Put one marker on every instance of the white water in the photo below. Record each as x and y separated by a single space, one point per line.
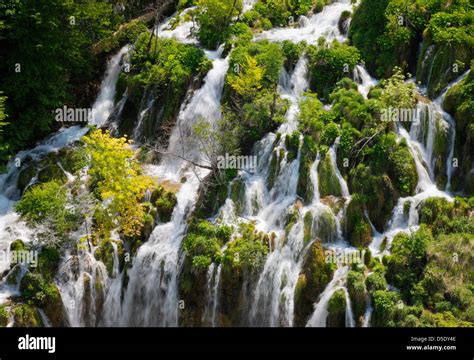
104 104
320 24
151 297
320 314
365 81
183 32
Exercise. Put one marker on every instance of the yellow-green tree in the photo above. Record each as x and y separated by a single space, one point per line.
117 180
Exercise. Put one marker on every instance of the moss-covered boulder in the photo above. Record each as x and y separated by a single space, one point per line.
402 170
358 229
41 293
357 294
4 316
25 315
378 191
458 102
164 202
105 253
315 275
337 309
237 194
439 64
308 156
328 181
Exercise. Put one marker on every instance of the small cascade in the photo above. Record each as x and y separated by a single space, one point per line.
212 304
183 32
438 103
320 313
320 24
104 104
151 297
145 106
365 81
342 181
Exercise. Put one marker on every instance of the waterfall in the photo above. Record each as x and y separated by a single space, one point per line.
320 313
104 104
438 103
151 297
320 24
365 81
183 32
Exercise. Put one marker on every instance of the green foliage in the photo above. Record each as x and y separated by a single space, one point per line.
46 202
214 18
358 228
330 64
337 309
203 243
403 170
55 58
247 252
116 179
328 181
37 291
26 315
4 316
406 263
292 144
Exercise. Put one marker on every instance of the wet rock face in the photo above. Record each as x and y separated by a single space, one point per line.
315 275
337 309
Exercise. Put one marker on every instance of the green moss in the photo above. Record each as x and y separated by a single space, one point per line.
402 170
337 309
328 181
18 245
26 316
308 156
292 144
315 275
4 316
203 243
247 252
237 194
358 227
357 294
164 201
375 282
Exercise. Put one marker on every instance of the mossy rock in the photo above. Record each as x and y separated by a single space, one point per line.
308 155
4 316
435 65
358 227
164 201
402 170
315 275
237 194
275 166
25 315
325 227
357 294
14 275
337 309
328 181
27 173
105 253
292 145
375 282
18 245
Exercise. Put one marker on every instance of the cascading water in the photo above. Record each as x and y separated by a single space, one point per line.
151 297
320 24
320 314
104 104
365 81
